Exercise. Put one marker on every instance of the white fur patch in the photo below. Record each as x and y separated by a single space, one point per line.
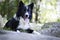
24 24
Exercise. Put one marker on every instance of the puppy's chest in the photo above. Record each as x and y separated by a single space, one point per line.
24 24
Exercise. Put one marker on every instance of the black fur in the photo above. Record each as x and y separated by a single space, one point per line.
12 24
29 31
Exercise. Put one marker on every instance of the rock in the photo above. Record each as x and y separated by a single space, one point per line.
10 35
2 22
52 29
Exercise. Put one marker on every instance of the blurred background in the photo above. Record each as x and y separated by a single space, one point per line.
44 11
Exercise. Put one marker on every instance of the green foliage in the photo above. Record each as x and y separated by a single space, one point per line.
26 1
8 8
58 20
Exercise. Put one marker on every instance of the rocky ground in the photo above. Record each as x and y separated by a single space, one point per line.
9 35
51 29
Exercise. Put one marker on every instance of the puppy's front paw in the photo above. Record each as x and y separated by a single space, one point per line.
18 31
35 32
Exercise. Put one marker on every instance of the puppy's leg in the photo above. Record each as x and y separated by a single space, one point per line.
18 31
35 32
29 30
32 31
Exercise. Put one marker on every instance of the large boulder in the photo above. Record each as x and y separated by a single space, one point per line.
10 35
52 29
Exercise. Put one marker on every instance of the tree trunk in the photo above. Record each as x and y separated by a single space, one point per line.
36 18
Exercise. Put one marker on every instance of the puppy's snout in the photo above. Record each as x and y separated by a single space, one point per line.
26 15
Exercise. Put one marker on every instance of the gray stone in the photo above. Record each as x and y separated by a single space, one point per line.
2 22
10 35
52 29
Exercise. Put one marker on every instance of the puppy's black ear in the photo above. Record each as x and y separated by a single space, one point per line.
21 4
31 5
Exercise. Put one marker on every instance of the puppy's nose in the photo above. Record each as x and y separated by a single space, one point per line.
26 15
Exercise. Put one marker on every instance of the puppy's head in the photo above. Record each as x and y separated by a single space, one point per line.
25 11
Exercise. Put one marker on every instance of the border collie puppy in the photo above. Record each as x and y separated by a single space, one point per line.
23 13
